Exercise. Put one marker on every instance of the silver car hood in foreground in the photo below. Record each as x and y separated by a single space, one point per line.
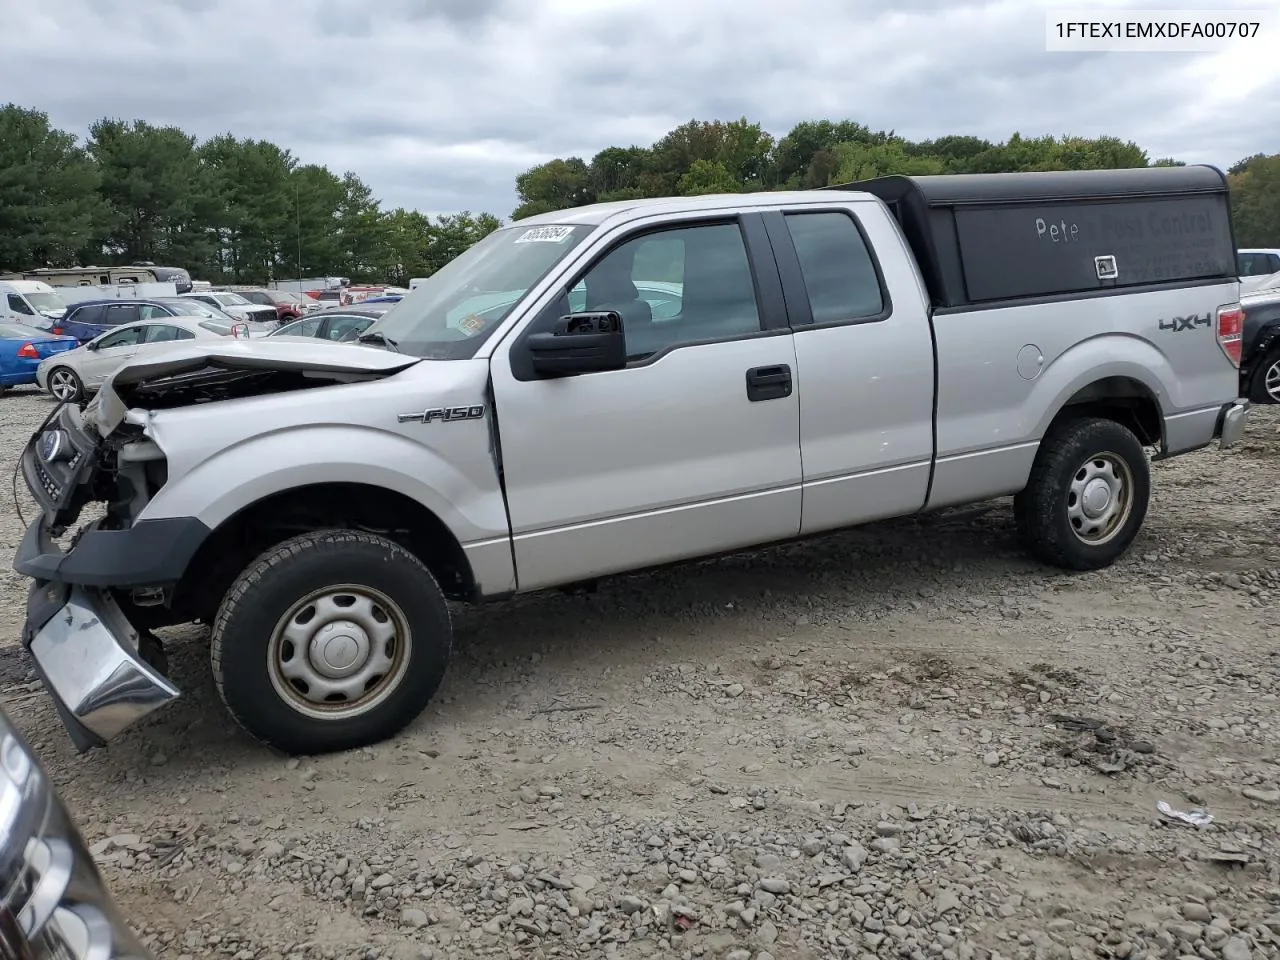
189 364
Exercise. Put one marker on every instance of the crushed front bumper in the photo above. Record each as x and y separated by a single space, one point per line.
89 657
1232 421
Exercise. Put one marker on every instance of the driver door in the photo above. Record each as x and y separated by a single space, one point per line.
111 351
694 448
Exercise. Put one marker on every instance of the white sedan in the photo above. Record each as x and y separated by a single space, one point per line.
73 374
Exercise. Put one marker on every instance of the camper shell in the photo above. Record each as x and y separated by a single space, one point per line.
991 240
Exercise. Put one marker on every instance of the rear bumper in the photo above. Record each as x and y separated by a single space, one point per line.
88 656
1232 420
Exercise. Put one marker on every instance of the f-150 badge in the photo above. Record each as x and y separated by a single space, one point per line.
443 414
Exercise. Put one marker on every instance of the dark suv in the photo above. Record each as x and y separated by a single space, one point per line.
88 319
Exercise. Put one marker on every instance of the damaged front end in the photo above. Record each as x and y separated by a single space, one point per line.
103 671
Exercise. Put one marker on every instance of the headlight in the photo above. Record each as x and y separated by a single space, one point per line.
54 905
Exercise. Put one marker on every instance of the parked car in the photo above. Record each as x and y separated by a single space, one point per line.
1258 261
21 350
72 374
827 358
237 306
341 324
288 306
92 318
56 904
1260 350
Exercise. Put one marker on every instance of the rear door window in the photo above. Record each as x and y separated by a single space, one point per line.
118 313
165 332
836 263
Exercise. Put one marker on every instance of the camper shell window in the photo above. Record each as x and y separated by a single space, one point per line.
987 239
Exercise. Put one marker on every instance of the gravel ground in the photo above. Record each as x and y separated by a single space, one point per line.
904 741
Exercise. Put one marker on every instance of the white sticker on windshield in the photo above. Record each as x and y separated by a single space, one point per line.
545 235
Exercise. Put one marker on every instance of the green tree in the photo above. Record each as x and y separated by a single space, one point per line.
862 161
150 180
707 176
49 204
555 185
1255 201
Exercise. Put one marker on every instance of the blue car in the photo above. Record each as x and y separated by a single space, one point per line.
21 350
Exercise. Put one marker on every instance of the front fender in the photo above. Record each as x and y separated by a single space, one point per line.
463 492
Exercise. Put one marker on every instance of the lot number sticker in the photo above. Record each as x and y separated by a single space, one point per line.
545 235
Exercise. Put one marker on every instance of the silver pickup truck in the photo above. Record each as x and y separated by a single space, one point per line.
615 387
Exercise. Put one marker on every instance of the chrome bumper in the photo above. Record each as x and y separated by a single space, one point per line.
87 654
1232 422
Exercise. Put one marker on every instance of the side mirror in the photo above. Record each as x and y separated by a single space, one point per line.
91 345
580 343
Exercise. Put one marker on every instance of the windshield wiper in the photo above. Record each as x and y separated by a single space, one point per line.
376 337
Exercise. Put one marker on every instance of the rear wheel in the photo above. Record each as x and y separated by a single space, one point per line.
64 385
1265 387
1087 495
331 641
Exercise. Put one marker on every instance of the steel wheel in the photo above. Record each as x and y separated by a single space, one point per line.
1100 498
64 384
339 652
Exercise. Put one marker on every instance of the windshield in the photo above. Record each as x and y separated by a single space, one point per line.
455 309
230 299
43 301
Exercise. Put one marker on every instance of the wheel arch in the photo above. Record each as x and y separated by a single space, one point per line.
1125 399
258 526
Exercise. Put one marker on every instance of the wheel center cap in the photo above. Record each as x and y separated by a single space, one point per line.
1097 497
339 649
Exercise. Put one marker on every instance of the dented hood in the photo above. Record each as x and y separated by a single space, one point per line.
191 366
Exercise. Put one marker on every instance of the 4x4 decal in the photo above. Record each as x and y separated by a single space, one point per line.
1177 324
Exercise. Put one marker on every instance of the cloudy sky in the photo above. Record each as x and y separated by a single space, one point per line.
438 104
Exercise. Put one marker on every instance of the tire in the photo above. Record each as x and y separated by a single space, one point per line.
1264 385
1054 521
64 385
273 688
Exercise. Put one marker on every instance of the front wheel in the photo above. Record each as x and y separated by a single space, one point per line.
331 641
1265 387
65 386
1087 495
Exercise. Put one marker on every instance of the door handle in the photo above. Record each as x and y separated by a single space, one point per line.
768 383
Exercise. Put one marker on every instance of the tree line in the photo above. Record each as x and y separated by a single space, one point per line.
226 209
702 157
246 211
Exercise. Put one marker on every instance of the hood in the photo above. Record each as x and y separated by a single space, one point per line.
217 370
